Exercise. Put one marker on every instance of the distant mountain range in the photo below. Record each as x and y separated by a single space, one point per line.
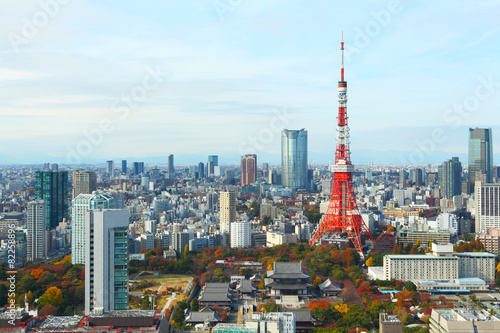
315 158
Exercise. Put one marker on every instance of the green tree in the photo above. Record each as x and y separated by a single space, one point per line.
410 286
194 305
3 294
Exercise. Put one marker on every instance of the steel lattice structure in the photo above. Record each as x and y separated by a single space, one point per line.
342 213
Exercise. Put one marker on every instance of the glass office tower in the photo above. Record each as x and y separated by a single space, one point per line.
294 159
480 155
52 186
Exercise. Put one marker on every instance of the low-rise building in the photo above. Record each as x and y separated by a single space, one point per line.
389 323
216 295
275 238
462 320
287 278
490 240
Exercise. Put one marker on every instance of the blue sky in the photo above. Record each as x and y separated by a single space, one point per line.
224 70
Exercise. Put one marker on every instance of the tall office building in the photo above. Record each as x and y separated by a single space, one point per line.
450 178
171 167
37 234
106 266
138 168
240 235
210 168
403 176
214 159
201 170
84 182
80 205
487 197
480 155
124 166
227 206
248 170
418 177
52 186
110 168
212 201
294 159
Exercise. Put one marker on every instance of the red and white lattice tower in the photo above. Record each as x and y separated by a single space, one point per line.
343 213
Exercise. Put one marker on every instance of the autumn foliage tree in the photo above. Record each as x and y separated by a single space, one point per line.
52 296
317 281
36 273
48 310
369 262
319 303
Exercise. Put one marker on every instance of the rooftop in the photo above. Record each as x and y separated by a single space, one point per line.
461 314
61 322
125 314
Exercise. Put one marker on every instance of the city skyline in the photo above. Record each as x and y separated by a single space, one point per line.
266 65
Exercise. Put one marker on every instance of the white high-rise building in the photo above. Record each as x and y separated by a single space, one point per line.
106 266
227 204
487 197
240 235
80 205
36 235
150 226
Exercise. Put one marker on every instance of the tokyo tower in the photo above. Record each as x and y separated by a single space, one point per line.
342 213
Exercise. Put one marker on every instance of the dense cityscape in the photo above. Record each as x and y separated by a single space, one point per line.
164 244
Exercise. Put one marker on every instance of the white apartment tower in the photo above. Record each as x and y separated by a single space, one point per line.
487 198
106 265
240 235
80 205
36 235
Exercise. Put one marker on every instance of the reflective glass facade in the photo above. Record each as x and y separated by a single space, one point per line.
294 159
480 154
52 186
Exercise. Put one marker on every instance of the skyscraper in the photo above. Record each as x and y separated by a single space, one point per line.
52 186
487 197
248 170
106 266
480 155
450 178
171 168
418 177
84 182
294 159
138 168
80 205
124 166
214 159
110 168
201 170
227 206
210 168
37 234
